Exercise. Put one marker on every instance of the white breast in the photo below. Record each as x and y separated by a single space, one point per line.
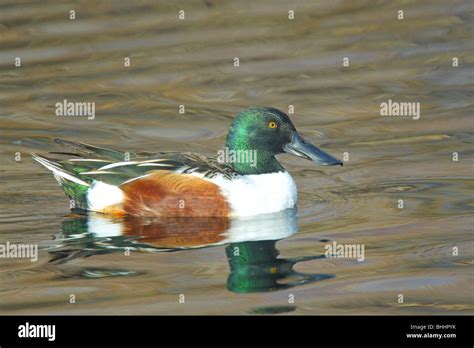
258 194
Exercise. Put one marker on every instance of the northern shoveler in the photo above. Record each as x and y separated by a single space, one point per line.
249 181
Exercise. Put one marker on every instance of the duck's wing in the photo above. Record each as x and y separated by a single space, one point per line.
91 163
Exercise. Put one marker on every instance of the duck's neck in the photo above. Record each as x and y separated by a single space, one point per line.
251 162
264 164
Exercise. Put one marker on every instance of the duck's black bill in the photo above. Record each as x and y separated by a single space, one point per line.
302 148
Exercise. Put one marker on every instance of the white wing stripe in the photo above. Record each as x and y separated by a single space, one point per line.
117 164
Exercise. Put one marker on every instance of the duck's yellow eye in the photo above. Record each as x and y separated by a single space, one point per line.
272 124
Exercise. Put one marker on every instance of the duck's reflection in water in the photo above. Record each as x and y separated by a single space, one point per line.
255 267
251 244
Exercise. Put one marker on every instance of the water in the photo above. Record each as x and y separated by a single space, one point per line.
408 251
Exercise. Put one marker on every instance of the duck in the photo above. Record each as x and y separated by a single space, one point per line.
245 179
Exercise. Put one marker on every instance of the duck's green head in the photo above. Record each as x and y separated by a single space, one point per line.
258 134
